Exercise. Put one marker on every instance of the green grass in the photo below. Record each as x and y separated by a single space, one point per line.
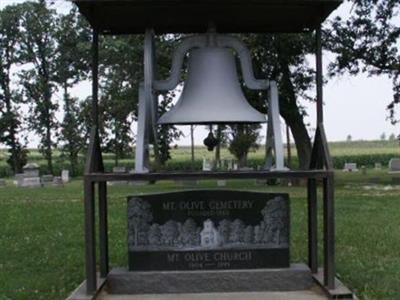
42 247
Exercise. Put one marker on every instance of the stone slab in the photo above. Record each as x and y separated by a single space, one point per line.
208 230
297 277
31 182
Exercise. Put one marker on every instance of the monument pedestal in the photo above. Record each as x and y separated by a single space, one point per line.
297 277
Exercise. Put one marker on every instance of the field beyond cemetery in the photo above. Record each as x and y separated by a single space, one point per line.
364 153
42 245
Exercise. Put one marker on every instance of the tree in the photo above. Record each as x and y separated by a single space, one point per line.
122 58
72 36
349 138
383 136
368 42
283 58
38 49
10 118
392 137
243 138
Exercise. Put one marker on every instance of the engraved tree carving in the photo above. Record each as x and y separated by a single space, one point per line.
237 231
224 230
170 233
139 219
155 235
249 235
274 214
188 235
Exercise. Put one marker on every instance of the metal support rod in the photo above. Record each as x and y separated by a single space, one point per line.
95 79
90 240
318 54
312 225
103 229
329 232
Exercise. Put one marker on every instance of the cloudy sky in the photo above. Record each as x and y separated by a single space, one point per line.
353 105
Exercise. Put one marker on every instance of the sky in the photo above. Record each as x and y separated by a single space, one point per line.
354 105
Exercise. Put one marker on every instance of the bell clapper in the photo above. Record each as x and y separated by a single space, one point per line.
210 141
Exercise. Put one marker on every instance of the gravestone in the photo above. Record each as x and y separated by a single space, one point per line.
394 169
31 170
65 176
350 167
47 180
208 230
19 179
207 165
394 165
30 176
57 181
32 182
378 166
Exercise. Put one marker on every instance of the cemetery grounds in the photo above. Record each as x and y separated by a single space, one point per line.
42 243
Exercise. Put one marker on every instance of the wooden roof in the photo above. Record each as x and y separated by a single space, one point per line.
192 16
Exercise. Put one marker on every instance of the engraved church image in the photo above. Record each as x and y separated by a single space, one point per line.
209 235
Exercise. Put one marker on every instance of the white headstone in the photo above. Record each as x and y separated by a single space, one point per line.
65 176
207 165
350 167
378 166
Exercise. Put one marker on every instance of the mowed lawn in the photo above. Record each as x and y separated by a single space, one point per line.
42 245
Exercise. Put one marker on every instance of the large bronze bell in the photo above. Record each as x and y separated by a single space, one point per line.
212 93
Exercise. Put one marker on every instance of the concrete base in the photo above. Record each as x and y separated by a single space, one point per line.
313 294
80 292
340 292
297 277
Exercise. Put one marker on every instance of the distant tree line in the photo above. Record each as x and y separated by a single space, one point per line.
45 54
